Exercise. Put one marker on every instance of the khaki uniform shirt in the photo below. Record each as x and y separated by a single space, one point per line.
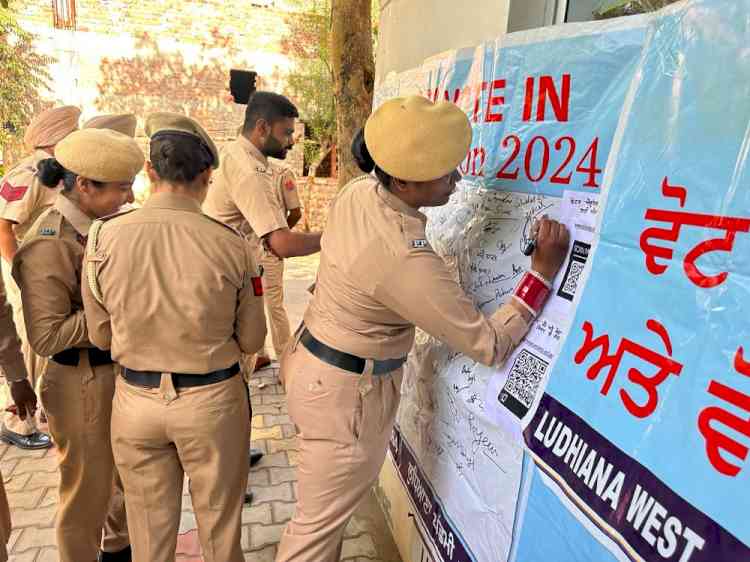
11 359
23 198
47 269
379 278
243 194
285 184
180 291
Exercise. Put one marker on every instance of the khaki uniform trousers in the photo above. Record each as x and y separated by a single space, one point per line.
273 294
158 436
344 423
5 526
35 364
78 402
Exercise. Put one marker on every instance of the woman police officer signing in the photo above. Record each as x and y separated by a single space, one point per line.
378 279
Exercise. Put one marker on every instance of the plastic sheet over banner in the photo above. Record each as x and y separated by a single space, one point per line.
542 123
620 427
645 425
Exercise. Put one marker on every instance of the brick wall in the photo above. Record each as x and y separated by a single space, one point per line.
171 55
316 195
166 55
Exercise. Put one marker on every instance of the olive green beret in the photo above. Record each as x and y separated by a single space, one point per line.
101 155
164 122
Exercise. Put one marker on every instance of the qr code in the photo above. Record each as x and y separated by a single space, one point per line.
523 382
579 253
571 281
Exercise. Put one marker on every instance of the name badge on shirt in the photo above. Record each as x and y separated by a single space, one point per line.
419 243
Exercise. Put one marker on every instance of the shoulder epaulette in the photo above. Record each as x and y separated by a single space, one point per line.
263 170
50 224
225 225
115 215
414 234
92 254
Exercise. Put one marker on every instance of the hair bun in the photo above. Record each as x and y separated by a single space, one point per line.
361 154
50 172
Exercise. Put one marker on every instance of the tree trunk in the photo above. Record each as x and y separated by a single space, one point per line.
353 76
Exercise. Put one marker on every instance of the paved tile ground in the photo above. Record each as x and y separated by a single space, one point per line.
31 478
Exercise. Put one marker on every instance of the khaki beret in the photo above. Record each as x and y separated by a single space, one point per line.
100 154
164 122
414 139
51 126
124 123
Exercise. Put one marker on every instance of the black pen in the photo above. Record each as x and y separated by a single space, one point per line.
531 243
530 247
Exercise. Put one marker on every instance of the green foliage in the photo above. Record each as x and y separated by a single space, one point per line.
311 88
310 84
616 8
23 74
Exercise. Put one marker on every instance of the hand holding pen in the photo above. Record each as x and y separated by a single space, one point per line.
548 246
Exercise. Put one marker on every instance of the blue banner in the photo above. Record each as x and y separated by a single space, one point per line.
542 124
631 392
646 420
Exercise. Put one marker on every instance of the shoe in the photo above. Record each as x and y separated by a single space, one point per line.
255 456
261 363
36 440
248 497
124 555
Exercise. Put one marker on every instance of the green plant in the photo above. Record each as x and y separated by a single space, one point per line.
23 74
617 8
310 84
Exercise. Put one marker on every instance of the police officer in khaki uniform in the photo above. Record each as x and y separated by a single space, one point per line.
126 124
96 168
12 364
243 194
378 279
177 296
22 199
285 185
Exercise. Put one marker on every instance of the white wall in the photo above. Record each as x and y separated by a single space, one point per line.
413 30
530 14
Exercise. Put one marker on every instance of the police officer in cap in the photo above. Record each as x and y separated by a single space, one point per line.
378 279
96 168
178 297
22 199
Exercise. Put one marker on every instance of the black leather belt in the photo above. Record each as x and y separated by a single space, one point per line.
152 379
71 357
345 360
